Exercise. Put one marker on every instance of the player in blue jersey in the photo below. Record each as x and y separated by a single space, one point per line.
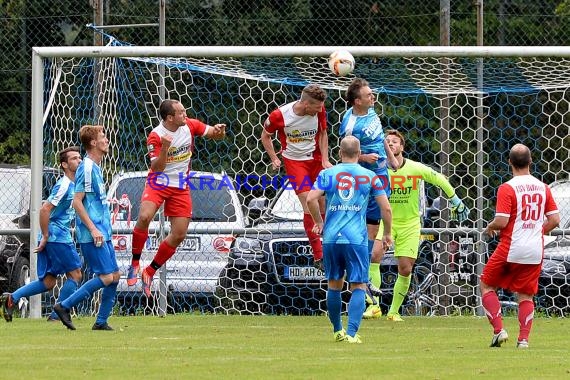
347 188
93 228
362 122
56 249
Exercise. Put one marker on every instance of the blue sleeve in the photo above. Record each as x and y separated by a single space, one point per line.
80 179
53 199
377 186
342 129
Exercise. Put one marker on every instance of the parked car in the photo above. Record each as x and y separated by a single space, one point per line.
14 214
554 283
271 271
193 272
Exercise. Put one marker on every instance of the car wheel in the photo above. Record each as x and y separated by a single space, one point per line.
20 277
20 273
421 300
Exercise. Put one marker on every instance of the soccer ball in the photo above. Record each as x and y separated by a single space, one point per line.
341 63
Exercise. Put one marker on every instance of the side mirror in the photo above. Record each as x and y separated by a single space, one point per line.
255 208
23 221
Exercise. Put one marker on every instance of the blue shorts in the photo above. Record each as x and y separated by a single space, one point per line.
373 213
57 258
354 259
101 260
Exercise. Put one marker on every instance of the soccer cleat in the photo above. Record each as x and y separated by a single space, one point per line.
339 336
146 283
499 338
103 327
522 343
372 312
353 339
369 300
64 316
394 318
373 290
132 274
7 306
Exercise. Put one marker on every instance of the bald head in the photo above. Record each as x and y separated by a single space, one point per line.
349 148
519 156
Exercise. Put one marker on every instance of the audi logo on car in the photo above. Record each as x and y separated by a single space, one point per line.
304 250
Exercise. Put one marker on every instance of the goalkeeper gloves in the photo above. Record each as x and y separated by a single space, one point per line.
458 210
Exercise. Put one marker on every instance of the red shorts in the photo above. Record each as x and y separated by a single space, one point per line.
177 202
518 278
302 174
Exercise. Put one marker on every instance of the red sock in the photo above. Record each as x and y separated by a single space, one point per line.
139 240
314 239
492 308
526 315
165 252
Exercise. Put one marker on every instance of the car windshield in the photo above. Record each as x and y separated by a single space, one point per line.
13 190
208 205
287 206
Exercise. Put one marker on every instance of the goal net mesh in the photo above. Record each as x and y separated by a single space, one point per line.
250 255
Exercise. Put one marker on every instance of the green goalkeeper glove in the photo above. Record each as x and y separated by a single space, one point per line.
458 210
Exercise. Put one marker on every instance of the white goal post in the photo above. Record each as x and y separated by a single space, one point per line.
459 113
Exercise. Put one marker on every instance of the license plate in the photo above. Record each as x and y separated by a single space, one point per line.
304 273
190 244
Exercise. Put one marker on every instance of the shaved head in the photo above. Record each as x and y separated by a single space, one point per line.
519 156
350 147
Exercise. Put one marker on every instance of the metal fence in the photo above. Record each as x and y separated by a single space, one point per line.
301 22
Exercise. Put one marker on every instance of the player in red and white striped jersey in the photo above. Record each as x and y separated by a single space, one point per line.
170 147
301 127
525 211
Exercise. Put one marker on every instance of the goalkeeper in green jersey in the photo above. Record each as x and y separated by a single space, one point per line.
406 187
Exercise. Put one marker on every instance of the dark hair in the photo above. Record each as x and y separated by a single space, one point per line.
393 132
353 90
88 133
520 157
314 91
167 108
63 153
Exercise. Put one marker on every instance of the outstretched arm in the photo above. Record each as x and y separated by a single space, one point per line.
216 132
458 209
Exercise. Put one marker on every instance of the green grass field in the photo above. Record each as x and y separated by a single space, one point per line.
279 347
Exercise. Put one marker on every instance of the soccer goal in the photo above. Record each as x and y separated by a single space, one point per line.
460 109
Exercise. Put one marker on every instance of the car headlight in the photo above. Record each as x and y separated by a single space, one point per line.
552 267
244 246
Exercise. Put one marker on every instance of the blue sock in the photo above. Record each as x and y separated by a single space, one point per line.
30 289
67 289
107 302
334 305
355 311
86 290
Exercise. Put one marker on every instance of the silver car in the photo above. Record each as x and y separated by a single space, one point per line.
194 269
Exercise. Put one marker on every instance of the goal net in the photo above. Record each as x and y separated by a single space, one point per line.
460 111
